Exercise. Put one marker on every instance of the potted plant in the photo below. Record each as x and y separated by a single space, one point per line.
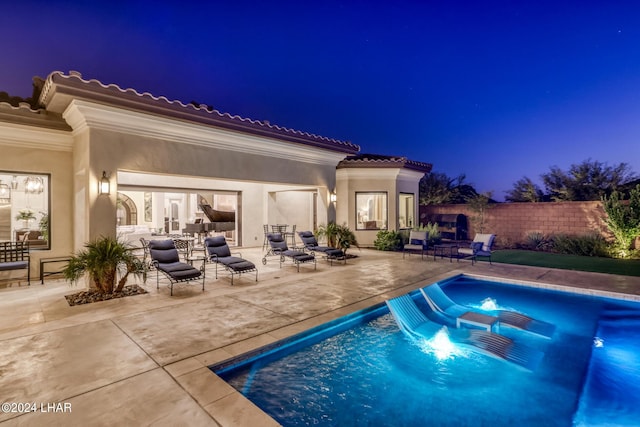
102 260
43 224
25 215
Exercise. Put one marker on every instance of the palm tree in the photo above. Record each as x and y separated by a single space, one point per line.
102 259
338 236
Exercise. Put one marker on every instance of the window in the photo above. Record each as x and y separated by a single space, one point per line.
406 209
371 211
25 207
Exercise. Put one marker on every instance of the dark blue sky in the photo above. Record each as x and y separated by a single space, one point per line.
495 90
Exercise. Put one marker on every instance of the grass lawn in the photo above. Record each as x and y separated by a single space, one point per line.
626 267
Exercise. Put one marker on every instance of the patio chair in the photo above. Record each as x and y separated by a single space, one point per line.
166 260
311 244
218 252
440 302
481 246
279 248
417 243
416 325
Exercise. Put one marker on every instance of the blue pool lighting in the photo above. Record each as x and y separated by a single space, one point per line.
363 370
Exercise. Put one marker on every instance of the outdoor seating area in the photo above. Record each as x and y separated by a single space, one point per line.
481 246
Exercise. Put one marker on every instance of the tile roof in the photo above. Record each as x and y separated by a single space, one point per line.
75 85
382 161
24 113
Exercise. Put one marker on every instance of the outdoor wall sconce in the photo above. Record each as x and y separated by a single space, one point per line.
333 197
104 184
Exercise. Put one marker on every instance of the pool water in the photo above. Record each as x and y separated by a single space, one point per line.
362 370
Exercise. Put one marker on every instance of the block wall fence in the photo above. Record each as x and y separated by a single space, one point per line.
512 222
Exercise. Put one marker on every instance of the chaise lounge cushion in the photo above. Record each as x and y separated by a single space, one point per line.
179 270
241 266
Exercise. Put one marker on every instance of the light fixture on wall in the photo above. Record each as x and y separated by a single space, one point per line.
333 197
33 185
5 193
104 184
14 183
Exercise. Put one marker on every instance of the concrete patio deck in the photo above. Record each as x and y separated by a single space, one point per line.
142 360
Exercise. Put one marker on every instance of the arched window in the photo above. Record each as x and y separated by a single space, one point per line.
126 212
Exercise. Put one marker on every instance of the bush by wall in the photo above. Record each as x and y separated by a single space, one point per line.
388 240
585 245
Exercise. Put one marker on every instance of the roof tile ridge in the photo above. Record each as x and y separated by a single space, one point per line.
21 106
78 75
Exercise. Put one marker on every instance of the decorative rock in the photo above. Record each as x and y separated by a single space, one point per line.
86 297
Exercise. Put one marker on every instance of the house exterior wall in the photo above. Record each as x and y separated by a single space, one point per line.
26 154
392 181
512 222
104 147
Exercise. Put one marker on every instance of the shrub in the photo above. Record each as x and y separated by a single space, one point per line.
537 241
388 240
433 233
586 245
623 219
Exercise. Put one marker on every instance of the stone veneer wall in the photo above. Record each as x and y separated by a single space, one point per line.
512 222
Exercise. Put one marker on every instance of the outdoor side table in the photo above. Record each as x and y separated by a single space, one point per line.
472 318
55 260
449 251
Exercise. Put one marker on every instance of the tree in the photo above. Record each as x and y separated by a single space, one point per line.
623 218
525 190
589 180
480 204
437 188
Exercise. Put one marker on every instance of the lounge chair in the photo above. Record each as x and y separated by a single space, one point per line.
417 243
166 260
481 246
311 244
279 248
415 324
219 253
439 302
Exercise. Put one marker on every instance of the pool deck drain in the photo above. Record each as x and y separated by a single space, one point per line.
143 359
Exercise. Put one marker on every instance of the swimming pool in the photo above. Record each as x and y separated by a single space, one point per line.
361 370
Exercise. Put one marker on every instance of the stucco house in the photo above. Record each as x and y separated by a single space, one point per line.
110 161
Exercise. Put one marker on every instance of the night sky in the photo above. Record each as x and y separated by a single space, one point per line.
495 90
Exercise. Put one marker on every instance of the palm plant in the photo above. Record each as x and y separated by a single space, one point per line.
338 236
102 259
